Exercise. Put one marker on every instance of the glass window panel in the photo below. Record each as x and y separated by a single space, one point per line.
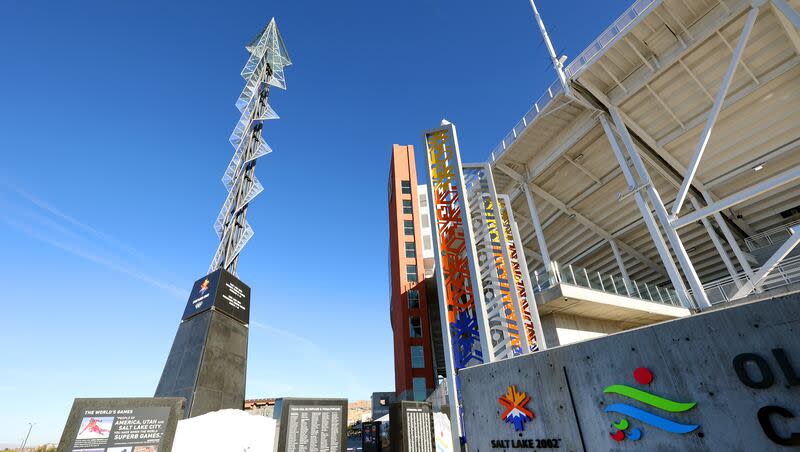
417 357
415 329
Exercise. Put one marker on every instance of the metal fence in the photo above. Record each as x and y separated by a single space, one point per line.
774 236
581 277
785 273
609 37
526 120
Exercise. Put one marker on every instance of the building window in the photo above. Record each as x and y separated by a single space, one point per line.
407 206
413 299
417 357
426 242
408 227
411 249
416 327
405 187
418 385
411 273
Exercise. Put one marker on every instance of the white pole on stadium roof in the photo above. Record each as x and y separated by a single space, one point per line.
557 63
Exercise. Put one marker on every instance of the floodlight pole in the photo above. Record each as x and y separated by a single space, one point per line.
557 64
25 441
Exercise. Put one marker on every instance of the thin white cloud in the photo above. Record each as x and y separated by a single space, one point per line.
100 260
50 225
78 224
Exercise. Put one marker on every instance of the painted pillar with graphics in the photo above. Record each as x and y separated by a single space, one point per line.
464 323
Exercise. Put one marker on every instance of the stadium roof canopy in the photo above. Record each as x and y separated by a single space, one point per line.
661 66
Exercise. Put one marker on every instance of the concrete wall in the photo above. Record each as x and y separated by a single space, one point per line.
690 359
563 329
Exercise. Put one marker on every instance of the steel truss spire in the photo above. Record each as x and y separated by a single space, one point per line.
264 68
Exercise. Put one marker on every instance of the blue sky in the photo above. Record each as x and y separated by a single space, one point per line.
114 125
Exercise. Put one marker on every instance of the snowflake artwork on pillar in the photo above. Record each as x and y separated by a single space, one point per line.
452 246
264 68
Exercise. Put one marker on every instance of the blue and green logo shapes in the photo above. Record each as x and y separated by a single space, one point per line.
623 429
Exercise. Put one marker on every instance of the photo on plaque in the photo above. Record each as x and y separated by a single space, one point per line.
95 428
145 449
88 450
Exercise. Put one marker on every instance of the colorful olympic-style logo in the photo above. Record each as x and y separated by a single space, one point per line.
204 286
643 376
516 413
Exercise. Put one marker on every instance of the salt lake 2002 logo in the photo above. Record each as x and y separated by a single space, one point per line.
516 412
623 428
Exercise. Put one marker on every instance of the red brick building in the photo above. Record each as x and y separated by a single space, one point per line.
414 310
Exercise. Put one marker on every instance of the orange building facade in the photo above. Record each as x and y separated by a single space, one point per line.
410 301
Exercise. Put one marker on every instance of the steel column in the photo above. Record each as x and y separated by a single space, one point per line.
738 197
718 245
714 113
661 212
537 226
788 11
621 265
647 215
771 263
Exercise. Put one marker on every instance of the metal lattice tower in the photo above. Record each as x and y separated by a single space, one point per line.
264 68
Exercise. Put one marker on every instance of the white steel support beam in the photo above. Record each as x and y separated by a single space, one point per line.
582 168
718 245
661 212
644 209
537 226
791 31
788 11
621 265
592 226
714 113
740 196
509 276
770 264
674 163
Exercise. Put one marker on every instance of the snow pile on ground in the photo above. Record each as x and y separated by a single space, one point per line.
225 431
441 427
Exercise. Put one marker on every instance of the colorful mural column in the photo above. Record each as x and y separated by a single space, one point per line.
464 322
497 284
522 278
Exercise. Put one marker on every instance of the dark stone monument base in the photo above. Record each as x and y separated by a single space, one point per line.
207 364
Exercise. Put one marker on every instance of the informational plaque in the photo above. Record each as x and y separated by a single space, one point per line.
121 425
222 291
411 427
311 425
